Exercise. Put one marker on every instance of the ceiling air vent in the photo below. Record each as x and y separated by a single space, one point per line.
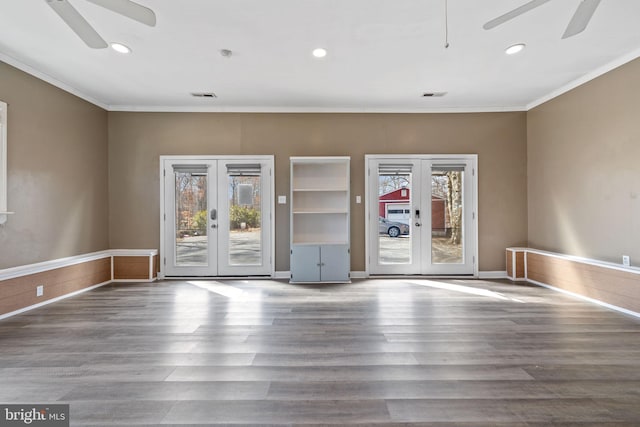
433 94
204 94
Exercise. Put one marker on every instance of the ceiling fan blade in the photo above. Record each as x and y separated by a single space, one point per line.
127 8
514 13
77 23
581 18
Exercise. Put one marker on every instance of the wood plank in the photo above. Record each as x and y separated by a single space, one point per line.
520 273
386 352
131 267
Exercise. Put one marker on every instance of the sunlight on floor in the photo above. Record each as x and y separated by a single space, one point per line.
218 288
464 289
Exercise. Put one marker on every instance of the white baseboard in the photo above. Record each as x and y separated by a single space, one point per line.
492 275
52 300
358 274
40 267
282 275
133 280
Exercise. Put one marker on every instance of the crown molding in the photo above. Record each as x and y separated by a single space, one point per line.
51 80
618 62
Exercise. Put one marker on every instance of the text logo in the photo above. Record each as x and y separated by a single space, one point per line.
40 415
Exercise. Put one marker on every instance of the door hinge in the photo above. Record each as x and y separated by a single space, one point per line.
473 215
164 172
473 172
474 259
165 217
369 172
165 260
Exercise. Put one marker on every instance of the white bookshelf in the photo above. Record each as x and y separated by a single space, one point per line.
320 219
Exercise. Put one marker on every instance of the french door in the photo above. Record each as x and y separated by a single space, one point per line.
216 216
421 215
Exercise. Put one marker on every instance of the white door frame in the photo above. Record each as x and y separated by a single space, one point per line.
471 159
269 159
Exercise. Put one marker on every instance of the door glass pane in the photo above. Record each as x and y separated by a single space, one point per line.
446 215
245 218
192 248
394 214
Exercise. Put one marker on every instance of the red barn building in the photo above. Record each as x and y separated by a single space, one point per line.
396 206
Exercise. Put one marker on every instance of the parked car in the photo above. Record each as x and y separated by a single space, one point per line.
392 228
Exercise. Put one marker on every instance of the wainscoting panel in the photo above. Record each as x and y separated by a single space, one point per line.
63 277
20 292
608 283
131 267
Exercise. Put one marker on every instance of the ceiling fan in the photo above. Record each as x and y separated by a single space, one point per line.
85 31
578 23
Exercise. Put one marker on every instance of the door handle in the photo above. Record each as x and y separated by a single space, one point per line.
214 226
418 224
214 214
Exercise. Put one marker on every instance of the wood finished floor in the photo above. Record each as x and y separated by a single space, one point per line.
403 352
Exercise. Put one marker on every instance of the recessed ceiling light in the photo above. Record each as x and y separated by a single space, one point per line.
204 94
433 94
120 48
319 52
512 50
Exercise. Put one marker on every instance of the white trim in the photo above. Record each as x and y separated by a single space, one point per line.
358 274
26 270
618 62
267 158
589 261
133 252
423 276
40 304
514 277
317 110
216 157
582 297
270 109
150 280
4 119
51 80
471 159
492 275
282 275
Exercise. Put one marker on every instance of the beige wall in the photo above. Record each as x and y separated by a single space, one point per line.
136 140
584 169
57 172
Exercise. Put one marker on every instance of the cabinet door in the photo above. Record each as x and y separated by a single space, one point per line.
305 263
335 263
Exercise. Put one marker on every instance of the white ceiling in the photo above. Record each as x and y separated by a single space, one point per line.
383 54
